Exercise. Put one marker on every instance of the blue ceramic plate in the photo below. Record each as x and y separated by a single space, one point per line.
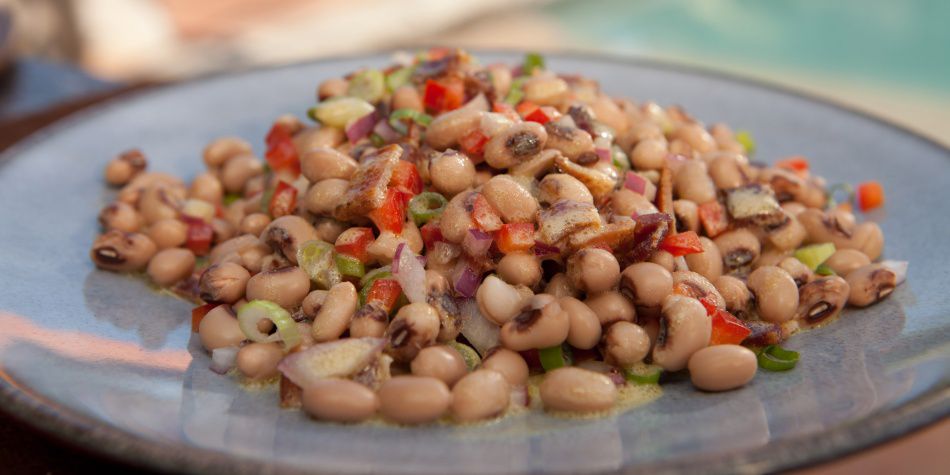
103 362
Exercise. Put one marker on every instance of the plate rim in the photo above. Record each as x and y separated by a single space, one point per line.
95 437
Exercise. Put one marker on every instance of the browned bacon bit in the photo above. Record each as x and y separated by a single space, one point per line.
650 231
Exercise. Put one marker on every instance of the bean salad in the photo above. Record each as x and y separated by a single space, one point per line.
447 240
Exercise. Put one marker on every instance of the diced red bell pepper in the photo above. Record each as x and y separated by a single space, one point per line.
198 313
797 164
540 115
391 215
682 244
443 95
713 217
533 359
505 109
199 236
485 217
384 291
870 195
709 304
406 179
473 143
284 200
431 234
353 242
525 107
281 153
515 237
437 53
727 329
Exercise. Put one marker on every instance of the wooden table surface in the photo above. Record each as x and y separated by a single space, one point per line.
24 450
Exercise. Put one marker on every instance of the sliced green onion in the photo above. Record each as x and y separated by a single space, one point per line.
399 115
642 373
516 92
266 197
230 198
349 266
426 206
368 84
823 269
619 159
316 258
839 193
251 313
472 360
377 140
554 357
813 255
399 77
339 111
532 61
744 137
776 358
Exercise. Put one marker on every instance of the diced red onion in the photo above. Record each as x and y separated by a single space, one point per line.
467 282
542 249
361 127
410 273
223 359
603 154
478 330
635 183
476 242
386 131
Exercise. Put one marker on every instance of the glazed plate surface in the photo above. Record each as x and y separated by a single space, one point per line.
104 362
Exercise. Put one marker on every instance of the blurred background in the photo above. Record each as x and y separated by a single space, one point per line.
887 57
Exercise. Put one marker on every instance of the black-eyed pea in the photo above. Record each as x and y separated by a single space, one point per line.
649 154
585 330
121 251
509 363
238 170
520 268
611 307
328 229
571 141
560 286
707 263
207 187
821 300
687 215
869 239
119 172
542 327
625 343
415 327
169 232
335 314
545 90
258 361
339 400
286 286
170 265
627 203
646 283
572 389
789 236
446 129
872 283
413 399
517 143
161 202
407 97
694 285
323 163
734 292
121 216
223 283
479 395
663 259
323 196
558 186
286 234
722 367
456 220
219 329
441 362
512 201
451 172
696 136
843 261
318 136
593 270
254 223
692 182
738 247
684 329
219 151
728 170
776 295
370 320
800 273
333 87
